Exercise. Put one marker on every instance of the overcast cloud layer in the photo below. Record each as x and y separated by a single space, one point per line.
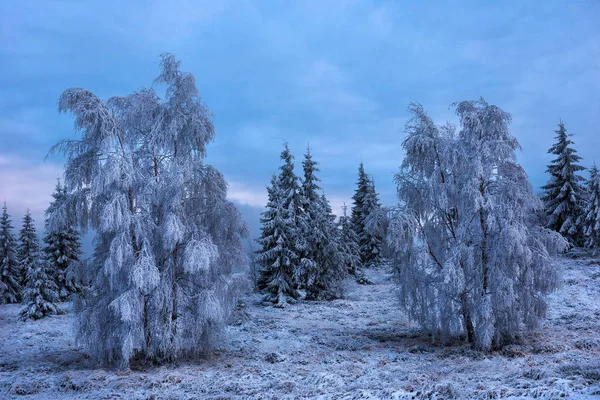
338 75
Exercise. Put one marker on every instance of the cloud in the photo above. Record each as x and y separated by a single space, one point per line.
18 128
336 74
245 194
26 184
168 22
325 86
381 21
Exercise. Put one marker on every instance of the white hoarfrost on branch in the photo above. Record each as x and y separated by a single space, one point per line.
167 239
469 260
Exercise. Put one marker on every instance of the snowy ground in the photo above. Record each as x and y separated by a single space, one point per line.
361 347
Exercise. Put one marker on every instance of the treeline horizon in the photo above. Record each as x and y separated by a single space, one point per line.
471 246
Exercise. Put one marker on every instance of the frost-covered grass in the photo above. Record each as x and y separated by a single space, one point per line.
361 347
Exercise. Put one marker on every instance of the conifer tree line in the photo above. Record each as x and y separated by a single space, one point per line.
39 276
571 203
303 247
469 258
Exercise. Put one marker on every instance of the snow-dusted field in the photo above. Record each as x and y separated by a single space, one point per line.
361 347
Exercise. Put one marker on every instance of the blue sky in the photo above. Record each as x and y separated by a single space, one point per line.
336 74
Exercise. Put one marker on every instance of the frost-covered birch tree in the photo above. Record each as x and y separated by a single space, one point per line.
469 260
10 277
167 238
591 214
62 250
563 194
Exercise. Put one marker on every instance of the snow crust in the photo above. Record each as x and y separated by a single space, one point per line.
360 347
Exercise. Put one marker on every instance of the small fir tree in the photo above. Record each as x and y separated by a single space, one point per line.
41 292
349 244
563 195
365 202
276 256
370 242
327 284
591 220
62 251
10 277
28 252
292 202
322 265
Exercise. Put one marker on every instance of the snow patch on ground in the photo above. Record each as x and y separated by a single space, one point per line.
360 347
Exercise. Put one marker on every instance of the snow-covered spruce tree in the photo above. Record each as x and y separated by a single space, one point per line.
356 216
365 202
277 257
469 260
290 186
10 276
563 195
591 215
349 243
370 241
291 192
322 267
62 251
41 292
28 251
167 238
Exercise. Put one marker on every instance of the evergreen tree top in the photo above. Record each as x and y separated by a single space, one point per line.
361 186
566 162
28 235
593 172
28 225
287 175
55 215
309 185
5 221
289 185
372 196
